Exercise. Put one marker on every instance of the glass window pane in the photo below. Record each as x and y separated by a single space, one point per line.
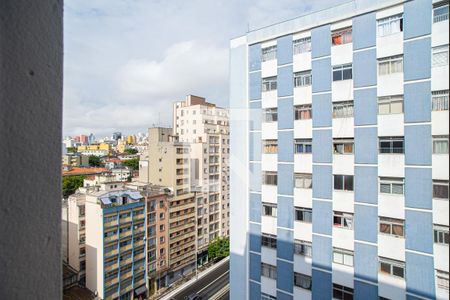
348 183
397 271
347 74
385 188
385 228
397 188
385 267
338 182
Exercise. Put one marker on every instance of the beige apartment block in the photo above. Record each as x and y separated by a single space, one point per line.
75 160
206 128
168 162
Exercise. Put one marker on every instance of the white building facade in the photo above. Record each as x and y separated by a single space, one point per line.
205 127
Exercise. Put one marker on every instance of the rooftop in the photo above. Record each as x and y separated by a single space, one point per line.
83 171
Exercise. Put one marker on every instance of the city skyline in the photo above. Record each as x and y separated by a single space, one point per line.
114 79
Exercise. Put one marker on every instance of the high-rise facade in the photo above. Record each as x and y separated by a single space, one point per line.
339 165
205 127
169 166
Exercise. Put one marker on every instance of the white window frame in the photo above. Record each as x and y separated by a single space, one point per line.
393 264
394 64
391 140
268 271
390 101
303 78
272 181
304 142
270 115
302 45
391 222
441 235
392 182
270 146
439 56
341 69
439 100
303 180
303 248
302 281
343 257
272 207
346 220
440 183
305 211
269 240
298 109
269 53
346 34
269 84
341 143
390 25
438 140
343 109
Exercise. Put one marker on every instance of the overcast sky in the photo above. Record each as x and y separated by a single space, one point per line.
127 61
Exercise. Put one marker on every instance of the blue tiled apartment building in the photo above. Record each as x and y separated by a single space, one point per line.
339 154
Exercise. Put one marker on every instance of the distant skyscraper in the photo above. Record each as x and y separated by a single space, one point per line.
117 136
339 165
91 139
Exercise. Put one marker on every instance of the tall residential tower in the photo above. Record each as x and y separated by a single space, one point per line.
339 165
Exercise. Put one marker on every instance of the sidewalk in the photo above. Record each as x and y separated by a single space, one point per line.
188 280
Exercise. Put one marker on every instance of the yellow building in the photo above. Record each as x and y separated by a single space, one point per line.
131 140
102 146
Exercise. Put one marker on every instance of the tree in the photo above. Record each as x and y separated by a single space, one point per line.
219 248
71 149
132 163
70 184
94 161
131 151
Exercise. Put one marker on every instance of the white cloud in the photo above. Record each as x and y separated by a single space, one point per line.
187 67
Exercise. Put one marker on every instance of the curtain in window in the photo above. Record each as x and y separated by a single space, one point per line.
440 102
385 228
337 40
440 147
348 148
397 230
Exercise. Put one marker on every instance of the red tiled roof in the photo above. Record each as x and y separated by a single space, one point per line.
84 171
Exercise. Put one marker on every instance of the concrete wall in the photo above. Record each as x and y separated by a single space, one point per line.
31 54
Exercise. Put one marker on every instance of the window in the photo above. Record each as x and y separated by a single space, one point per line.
439 100
442 279
441 235
303 146
343 109
343 182
440 144
342 292
342 72
268 271
440 11
391 185
342 219
302 45
440 56
303 181
270 146
303 214
265 296
269 53
270 178
302 281
392 226
303 248
269 84
303 112
269 209
161 240
161 227
440 189
390 105
343 257
343 146
392 267
391 145
269 240
270 115
342 36
302 78
390 25
390 65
